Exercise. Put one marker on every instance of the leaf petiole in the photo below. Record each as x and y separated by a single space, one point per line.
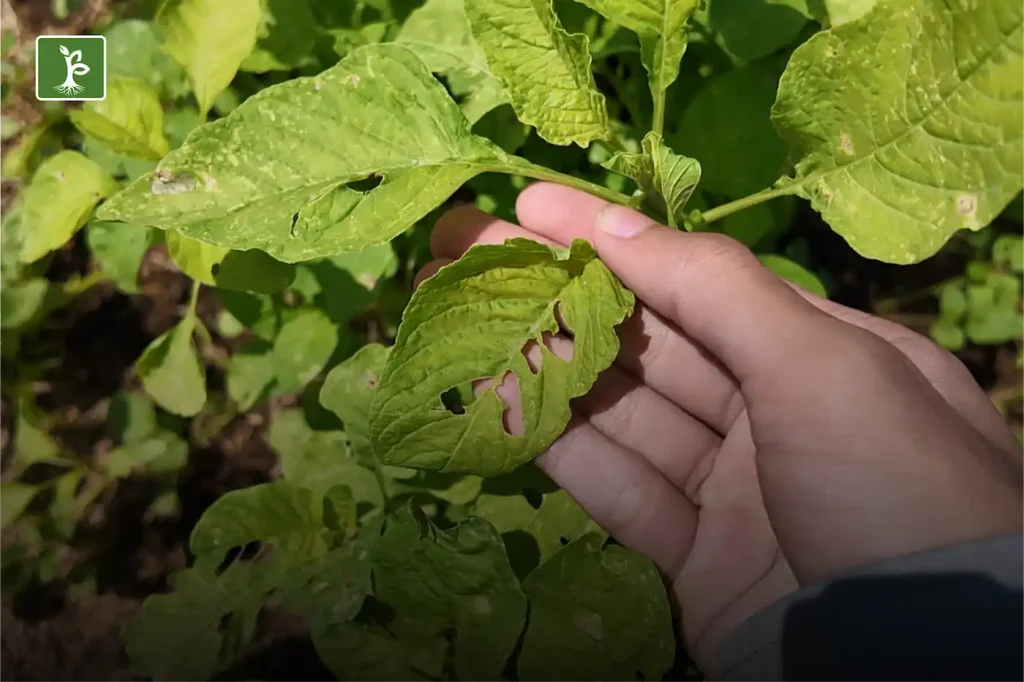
541 173
728 209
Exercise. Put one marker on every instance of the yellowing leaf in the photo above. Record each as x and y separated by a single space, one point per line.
661 25
129 121
379 112
171 372
58 201
210 38
908 122
472 321
545 70
836 12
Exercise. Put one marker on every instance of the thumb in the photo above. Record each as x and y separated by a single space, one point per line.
713 288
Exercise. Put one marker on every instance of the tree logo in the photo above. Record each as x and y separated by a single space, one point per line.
71 68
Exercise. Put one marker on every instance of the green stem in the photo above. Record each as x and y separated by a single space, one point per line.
658 124
724 210
193 298
378 472
540 173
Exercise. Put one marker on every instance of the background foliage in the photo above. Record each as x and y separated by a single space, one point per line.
190 422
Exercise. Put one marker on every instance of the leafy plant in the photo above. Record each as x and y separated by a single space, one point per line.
408 525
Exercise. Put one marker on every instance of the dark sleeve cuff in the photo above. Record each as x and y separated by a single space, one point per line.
951 613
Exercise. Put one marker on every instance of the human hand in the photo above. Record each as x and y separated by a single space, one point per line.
751 437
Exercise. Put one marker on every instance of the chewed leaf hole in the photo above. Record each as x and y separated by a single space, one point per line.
366 184
452 401
512 415
533 497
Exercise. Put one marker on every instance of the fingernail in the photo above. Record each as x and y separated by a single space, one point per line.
622 222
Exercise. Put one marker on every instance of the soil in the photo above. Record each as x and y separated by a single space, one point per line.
49 634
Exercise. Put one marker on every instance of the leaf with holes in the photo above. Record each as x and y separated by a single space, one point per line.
302 192
129 120
473 320
924 138
459 579
596 614
281 514
545 70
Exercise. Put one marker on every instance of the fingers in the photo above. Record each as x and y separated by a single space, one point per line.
710 286
632 415
624 493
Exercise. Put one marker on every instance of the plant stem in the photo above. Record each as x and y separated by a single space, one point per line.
658 124
540 173
378 472
724 210
193 298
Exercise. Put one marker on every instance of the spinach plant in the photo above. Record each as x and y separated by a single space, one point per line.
409 527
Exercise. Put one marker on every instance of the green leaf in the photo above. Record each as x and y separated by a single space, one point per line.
1008 252
58 201
119 166
558 516
545 70
221 189
133 51
661 26
285 38
20 159
947 333
728 127
596 614
439 33
250 270
171 371
198 628
302 348
674 177
131 417
21 302
250 373
348 391
907 123
129 120
751 29
119 248
358 652
952 301
320 460
210 39
471 321
32 442
458 489
162 453
793 272
458 579
836 12
14 499
331 589
281 514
